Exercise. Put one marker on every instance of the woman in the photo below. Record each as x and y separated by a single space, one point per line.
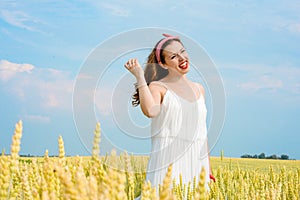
177 108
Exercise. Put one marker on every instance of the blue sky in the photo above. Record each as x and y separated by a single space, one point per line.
254 44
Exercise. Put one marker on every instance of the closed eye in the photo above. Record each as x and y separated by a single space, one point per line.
174 55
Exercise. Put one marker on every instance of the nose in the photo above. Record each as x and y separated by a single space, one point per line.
181 56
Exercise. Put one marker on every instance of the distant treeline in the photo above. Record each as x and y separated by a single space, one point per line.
29 155
260 156
263 156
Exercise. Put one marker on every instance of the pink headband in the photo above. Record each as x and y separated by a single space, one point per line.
161 43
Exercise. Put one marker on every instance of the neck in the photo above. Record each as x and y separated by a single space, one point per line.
176 78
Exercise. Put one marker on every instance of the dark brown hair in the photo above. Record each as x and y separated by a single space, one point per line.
153 71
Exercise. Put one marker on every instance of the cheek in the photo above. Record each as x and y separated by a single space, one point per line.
172 62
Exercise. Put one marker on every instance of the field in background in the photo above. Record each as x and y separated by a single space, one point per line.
140 163
260 165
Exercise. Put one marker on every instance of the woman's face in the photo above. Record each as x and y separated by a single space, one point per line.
176 58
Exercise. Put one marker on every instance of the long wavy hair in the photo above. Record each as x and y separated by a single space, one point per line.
153 71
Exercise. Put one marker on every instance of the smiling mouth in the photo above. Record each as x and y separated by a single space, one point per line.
184 65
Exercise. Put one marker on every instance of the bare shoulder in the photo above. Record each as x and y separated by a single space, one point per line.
201 88
157 86
158 91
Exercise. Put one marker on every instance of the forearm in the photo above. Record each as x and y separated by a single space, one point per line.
148 105
149 100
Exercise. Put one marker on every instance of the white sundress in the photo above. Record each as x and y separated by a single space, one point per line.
179 136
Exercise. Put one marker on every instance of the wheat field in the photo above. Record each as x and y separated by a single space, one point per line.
123 177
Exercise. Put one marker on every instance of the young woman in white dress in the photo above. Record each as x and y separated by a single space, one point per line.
177 108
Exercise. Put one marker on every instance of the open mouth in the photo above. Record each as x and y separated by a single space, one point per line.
184 65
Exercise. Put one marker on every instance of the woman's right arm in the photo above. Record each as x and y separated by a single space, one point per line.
150 96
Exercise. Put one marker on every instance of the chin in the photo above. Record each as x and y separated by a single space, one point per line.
184 71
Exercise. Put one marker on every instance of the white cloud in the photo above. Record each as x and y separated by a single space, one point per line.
84 76
114 8
37 118
20 19
46 88
56 92
51 100
55 89
9 69
256 78
262 83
